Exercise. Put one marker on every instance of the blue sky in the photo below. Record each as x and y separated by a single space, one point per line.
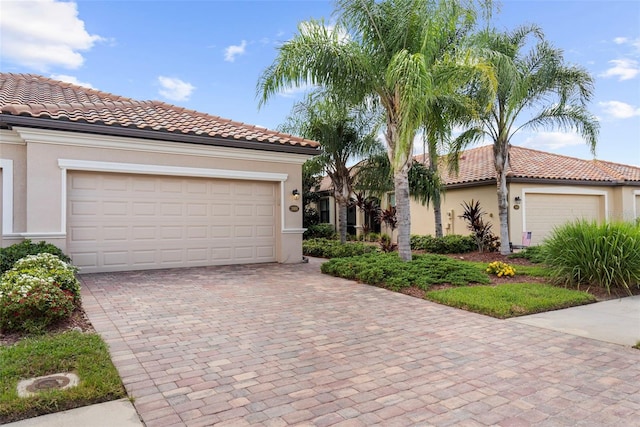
208 55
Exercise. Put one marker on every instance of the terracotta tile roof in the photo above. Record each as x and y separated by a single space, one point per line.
476 165
40 97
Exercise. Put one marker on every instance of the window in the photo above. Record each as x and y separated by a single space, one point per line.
391 199
323 207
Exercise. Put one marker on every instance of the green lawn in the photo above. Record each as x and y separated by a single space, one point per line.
84 354
509 300
424 271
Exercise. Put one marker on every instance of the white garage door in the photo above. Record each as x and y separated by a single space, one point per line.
543 212
133 222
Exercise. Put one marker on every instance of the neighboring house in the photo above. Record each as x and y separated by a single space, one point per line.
545 190
121 184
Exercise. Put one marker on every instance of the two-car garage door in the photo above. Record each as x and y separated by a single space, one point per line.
131 222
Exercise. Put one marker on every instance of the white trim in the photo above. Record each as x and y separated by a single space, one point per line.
9 137
153 146
93 166
37 235
561 190
89 165
282 204
636 214
293 230
7 196
63 198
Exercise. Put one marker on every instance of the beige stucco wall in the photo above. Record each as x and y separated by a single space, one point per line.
423 222
39 181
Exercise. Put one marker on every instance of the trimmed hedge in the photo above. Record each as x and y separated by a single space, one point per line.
325 248
450 244
320 231
11 254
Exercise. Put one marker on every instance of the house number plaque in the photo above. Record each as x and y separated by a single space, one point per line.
294 208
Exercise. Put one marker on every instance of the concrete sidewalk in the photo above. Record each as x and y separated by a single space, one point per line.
120 413
615 321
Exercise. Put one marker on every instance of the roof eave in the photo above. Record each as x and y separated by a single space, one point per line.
553 181
7 120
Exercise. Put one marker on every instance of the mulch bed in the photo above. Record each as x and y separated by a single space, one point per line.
78 321
487 257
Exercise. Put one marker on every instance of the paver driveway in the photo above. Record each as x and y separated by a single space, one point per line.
284 345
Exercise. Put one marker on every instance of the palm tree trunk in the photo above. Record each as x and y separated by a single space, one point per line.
403 214
342 219
437 206
437 213
502 163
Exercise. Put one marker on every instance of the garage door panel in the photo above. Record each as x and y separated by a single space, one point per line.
123 222
544 212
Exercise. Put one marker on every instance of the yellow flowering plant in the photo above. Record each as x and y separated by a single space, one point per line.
501 269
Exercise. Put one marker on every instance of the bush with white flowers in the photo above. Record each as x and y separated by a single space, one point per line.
39 290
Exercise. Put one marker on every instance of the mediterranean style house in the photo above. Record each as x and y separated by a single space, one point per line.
122 184
545 190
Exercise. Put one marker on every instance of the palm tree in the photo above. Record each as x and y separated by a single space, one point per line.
538 83
386 53
344 134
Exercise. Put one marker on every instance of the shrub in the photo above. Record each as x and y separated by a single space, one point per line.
386 245
49 267
450 244
605 255
320 231
500 269
325 248
531 253
38 291
484 238
11 254
389 271
29 303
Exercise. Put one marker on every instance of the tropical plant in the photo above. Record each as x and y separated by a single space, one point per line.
311 177
371 208
344 133
590 253
389 218
391 54
473 214
536 82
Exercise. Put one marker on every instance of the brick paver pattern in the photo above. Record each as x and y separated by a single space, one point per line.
278 345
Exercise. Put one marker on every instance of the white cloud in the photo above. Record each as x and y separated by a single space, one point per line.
553 140
624 69
232 51
625 40
293 92
619 110
175 89
71 79
44 33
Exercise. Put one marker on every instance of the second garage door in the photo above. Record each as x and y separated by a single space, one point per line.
133 222
543 212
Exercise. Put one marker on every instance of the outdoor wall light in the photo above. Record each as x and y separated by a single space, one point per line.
517 200
296 194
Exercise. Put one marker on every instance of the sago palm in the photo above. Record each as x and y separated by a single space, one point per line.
536 90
